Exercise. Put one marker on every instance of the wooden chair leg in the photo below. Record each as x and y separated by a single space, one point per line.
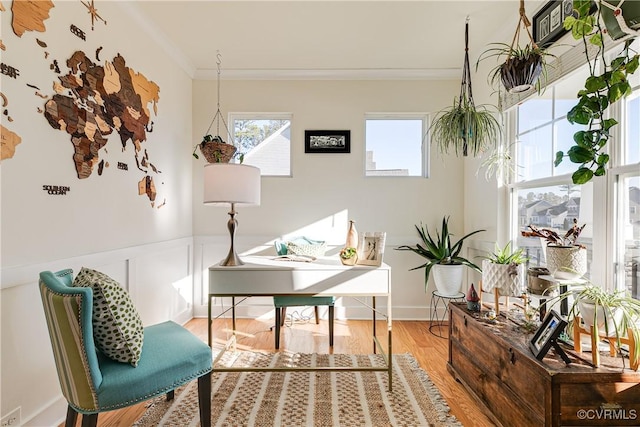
277 326
204 399
72 417
316 312
90 420
170 395
283 315
331 317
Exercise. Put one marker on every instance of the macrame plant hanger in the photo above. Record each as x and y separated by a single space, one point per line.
524 21
218 114
466 93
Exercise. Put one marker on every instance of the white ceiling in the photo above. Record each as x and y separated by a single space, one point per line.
327 39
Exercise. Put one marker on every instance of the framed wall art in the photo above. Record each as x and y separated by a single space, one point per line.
547 23
327 141
371 248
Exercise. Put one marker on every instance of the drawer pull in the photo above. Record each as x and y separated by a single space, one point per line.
512 359
465 320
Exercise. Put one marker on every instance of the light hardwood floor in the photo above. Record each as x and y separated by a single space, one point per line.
353 336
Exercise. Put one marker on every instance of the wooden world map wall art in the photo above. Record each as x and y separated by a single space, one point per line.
29 15
89 103
56 190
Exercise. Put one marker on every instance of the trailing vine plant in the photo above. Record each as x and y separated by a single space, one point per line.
601 89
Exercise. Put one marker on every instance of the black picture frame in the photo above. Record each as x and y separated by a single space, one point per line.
546 336
547 23
327 141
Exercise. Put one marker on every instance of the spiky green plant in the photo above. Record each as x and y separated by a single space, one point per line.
507 256
439 250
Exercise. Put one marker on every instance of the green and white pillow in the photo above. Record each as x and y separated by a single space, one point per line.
117 327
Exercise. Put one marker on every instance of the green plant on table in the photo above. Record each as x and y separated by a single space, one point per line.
507 256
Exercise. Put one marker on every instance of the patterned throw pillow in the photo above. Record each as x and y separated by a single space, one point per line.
117 327
315 249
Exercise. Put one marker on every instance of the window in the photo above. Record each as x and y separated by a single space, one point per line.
396 145
265 141
544 195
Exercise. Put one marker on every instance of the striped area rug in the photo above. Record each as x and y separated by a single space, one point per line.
309 398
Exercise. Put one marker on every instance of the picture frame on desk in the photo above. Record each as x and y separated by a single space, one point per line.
546 336
327 141
371 248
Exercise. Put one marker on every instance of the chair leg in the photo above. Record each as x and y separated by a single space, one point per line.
316 312
278 315
72 416
204 399
331 317
283 315
170 395
90 420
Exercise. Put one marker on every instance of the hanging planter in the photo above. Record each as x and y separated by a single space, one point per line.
465 127
213 148
523 66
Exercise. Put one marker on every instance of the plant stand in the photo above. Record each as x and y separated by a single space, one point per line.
578 330
438 299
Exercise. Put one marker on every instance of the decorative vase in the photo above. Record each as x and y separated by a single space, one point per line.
567 262
352 236
507 278
448 278
535 284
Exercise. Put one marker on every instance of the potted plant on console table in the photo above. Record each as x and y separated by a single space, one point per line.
443 257
616 314
566 259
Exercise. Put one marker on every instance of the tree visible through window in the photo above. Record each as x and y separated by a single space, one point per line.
265 141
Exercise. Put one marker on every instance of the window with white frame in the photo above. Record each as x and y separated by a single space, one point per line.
265 141
609 206
395 145
544 195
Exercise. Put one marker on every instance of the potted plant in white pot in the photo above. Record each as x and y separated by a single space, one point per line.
503 271
615 314
566 259
442 257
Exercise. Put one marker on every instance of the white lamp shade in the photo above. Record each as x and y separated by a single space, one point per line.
231 183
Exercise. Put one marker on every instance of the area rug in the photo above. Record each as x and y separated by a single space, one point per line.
269 399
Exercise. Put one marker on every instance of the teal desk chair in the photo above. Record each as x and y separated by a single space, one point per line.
281 304
93 383
308 247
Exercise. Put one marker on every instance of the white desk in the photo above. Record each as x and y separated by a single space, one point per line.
265 276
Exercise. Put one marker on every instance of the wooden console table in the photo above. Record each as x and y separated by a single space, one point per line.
266 276
494 363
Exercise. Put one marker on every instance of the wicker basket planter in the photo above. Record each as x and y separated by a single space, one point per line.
521 74
217 151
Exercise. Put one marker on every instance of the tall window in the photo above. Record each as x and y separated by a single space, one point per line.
544 195
265 141
395 145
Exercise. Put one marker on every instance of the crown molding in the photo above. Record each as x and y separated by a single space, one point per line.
330 74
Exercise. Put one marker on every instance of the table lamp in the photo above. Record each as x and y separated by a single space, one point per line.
235 184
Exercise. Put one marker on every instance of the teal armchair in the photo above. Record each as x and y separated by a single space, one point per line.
91 382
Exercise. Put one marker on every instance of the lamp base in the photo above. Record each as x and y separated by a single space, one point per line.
231 260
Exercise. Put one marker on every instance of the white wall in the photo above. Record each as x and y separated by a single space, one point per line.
326 190
102 222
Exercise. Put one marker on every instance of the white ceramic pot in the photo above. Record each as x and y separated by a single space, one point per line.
611 317
507 278
567 262
448 278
